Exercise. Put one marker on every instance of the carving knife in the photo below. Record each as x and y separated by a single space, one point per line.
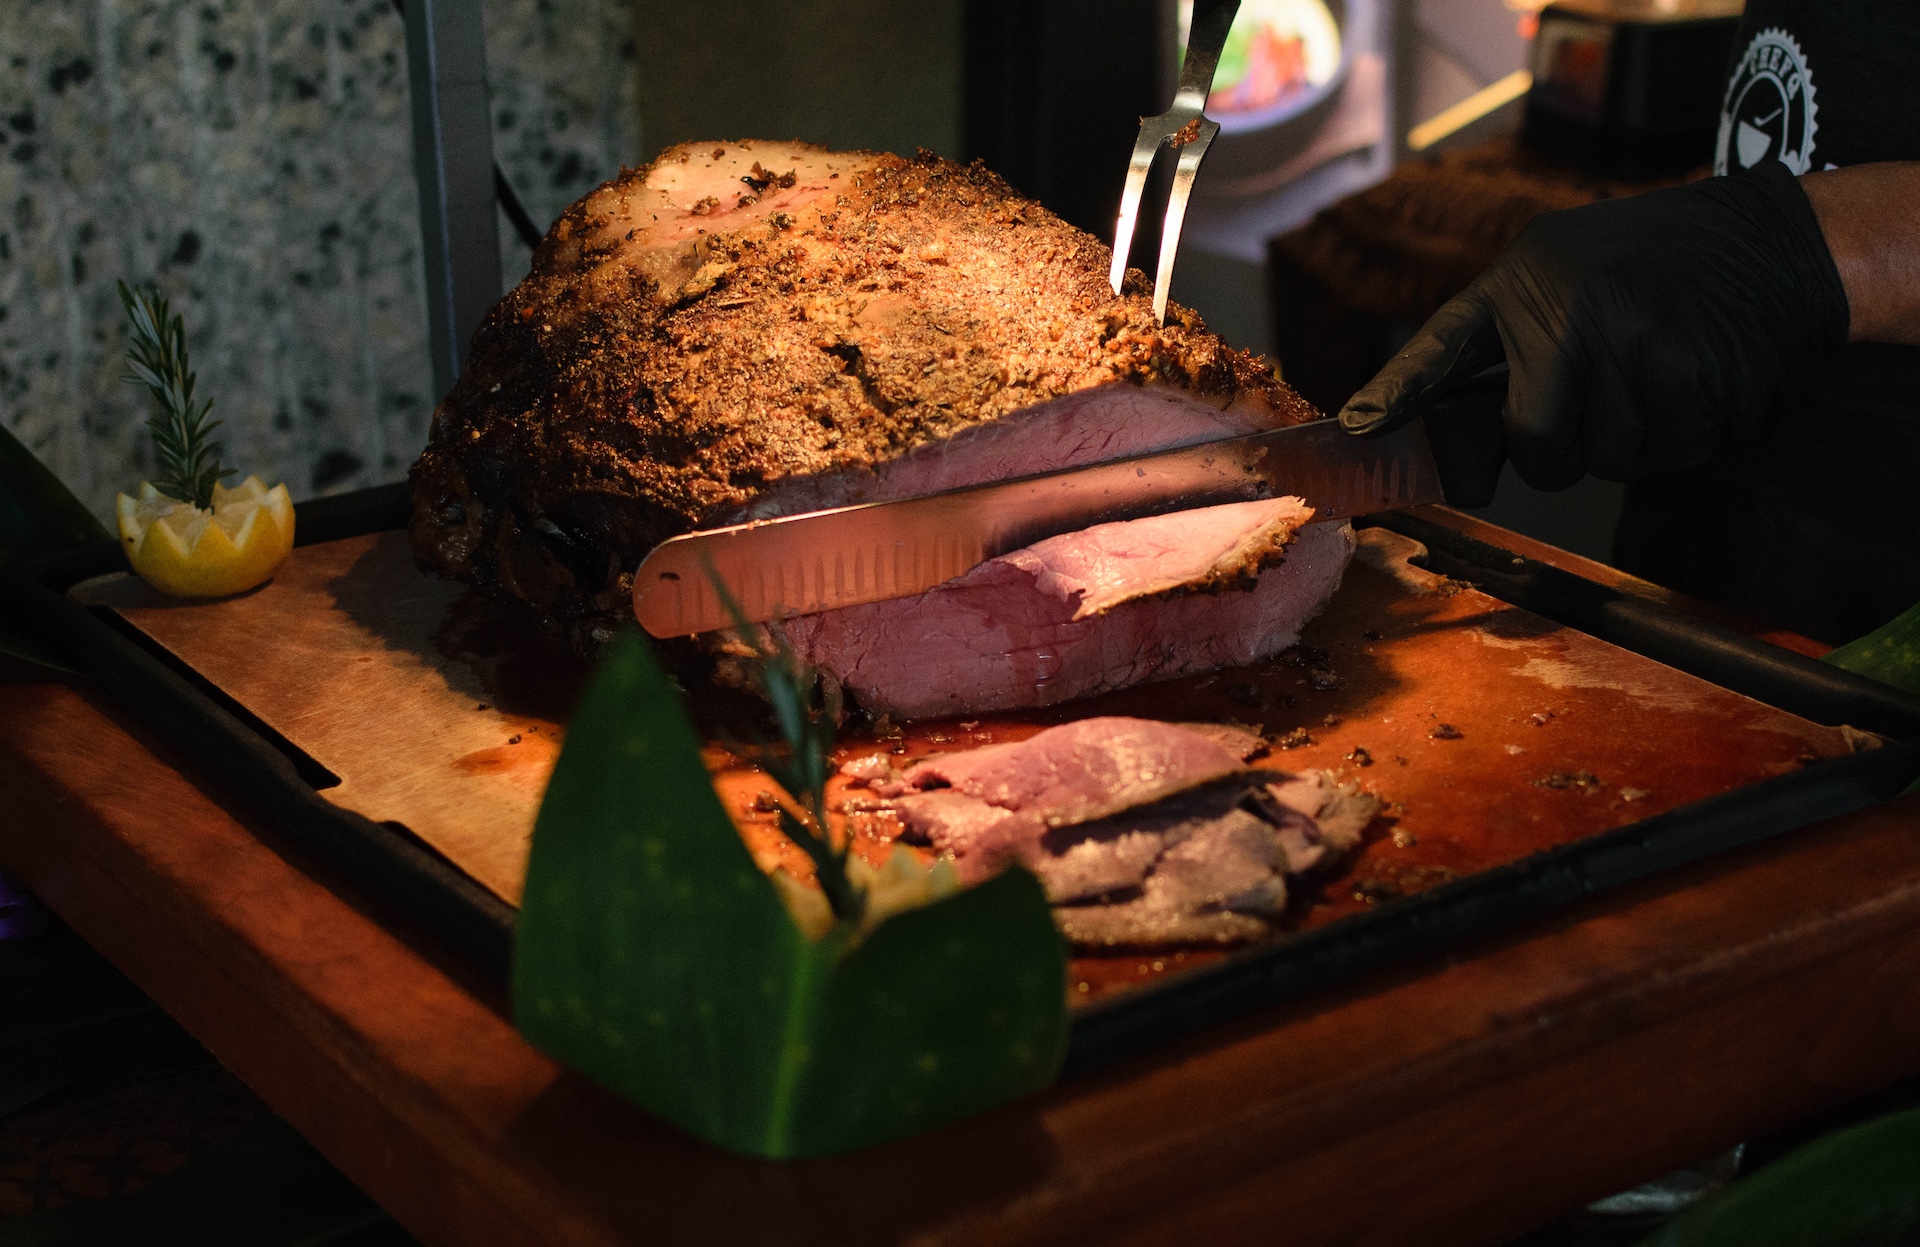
824 560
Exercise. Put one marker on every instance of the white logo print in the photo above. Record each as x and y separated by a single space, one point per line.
1769 109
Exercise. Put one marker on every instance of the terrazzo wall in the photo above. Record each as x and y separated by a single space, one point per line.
253 157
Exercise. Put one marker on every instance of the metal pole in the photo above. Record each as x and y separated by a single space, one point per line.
453 163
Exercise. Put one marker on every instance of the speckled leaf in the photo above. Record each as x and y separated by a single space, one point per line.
1858 1187
941 1012
654 956
1889 654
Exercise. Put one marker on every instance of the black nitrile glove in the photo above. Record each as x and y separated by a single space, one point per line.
1640 334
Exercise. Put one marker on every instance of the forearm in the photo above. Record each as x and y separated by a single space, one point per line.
1870 217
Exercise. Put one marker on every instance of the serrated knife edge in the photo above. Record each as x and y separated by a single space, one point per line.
935 538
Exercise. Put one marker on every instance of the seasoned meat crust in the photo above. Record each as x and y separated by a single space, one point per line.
746 328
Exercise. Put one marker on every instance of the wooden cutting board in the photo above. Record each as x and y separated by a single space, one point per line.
1490 733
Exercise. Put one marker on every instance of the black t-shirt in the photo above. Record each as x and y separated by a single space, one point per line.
1814 524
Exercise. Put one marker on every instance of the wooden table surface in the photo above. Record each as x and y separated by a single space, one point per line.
1462 1098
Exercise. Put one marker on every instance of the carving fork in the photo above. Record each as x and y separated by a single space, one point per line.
1186 127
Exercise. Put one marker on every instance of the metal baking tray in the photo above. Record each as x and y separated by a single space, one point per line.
388 861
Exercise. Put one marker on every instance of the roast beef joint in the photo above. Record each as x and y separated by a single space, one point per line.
743 330
748 330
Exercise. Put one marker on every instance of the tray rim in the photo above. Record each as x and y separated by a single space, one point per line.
402 870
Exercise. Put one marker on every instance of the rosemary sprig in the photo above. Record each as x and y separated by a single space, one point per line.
186 457
800 766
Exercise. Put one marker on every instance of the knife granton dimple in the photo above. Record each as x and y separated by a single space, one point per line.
824 560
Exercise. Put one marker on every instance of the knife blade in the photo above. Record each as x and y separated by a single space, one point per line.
824 560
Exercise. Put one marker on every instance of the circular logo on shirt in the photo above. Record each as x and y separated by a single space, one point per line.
1769 109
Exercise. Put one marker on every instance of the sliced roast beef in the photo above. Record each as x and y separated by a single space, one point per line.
1207 866
1142 833
1104 608
1200 871
746 329
986 806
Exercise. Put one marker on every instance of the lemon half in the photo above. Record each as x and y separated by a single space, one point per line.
188 552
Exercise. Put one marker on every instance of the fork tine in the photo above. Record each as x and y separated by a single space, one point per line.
1144 149
1183 173
1206 38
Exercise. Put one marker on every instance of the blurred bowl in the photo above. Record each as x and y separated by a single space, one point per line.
1252 144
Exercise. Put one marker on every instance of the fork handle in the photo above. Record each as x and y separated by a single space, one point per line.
1206 39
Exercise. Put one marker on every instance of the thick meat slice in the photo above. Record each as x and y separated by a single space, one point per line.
750 329
1100 567
1083 613
1142 833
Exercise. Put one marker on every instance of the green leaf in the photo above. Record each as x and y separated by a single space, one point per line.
653 955
942 1012
1889 654
1858 1187
37 516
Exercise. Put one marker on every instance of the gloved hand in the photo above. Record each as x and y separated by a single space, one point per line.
1639 333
